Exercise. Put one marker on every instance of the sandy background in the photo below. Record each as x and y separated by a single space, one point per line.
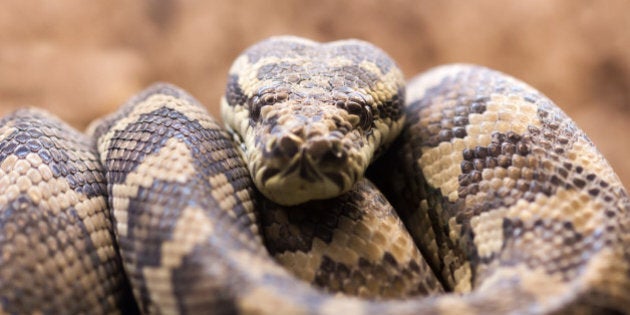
82 59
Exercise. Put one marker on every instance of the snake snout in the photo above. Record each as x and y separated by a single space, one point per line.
315 149
309 160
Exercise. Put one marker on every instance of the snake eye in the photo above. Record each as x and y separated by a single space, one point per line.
263 99
356 104
363 111
366 119
354 108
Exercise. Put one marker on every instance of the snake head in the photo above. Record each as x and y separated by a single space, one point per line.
311 116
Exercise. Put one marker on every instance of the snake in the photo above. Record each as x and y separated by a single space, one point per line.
333 187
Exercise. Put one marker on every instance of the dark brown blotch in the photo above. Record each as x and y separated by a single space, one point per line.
593 192
579 183
466 166
234 95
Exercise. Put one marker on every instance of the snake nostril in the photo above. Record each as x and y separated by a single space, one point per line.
288 146
333 157
318 148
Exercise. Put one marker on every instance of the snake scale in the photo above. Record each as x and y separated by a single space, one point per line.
503 205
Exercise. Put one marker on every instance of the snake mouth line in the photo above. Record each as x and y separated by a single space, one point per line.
302 179
304 168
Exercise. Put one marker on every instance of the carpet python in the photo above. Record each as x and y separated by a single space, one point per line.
502 204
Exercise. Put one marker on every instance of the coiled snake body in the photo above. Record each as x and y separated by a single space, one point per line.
507 205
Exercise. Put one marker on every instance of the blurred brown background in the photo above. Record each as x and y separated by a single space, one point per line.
82 59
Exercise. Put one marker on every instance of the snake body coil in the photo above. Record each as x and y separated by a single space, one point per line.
511 207
57 250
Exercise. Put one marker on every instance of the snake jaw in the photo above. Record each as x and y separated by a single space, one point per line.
305 181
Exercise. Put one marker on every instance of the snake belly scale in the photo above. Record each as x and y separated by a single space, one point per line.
502 204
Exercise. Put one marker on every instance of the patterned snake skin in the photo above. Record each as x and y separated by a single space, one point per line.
503 206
